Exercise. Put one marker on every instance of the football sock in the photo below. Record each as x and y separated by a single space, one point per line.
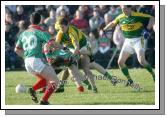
86 82
149 69
108 76
41 82
48 92
126 72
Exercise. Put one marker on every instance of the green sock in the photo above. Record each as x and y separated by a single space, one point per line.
149 69
86 82
108 76
126 72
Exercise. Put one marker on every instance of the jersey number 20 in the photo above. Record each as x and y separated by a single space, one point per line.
29 42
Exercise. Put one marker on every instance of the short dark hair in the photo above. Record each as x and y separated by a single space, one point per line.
64 21
35 18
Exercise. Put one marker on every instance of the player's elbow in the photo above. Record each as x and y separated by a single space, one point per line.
18 51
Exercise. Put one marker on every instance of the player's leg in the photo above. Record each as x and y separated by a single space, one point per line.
37 85
52 83
85 61
40 83
65 74
103 71
121 63
141 58
77 77
37 66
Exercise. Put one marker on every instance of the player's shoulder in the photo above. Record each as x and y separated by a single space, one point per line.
72 28
140 14
122 15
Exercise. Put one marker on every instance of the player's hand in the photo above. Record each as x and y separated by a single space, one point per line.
77 52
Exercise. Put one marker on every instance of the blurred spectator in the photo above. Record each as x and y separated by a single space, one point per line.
50 7
104 42
64 14
93 41
22 26
42 24
95 21
52 31
41 9
7 11
10 29
9 18
114 11
20 15
135 7
96 8
72 9
86 11
10 57
51 19
107 20
103 9
79 22
12 8
147 9
60 8
28 9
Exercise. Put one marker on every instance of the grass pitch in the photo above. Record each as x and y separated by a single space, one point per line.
107 94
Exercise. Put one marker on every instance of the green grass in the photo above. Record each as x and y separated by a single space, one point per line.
107 94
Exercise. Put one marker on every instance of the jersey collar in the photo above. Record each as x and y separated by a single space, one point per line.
36 27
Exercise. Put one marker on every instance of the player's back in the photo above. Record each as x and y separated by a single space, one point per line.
31 41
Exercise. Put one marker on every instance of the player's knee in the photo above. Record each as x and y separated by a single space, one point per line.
53 85
142 62
120 62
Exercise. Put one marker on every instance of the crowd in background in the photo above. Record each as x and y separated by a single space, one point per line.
88 18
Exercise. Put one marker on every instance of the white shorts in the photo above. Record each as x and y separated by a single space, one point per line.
34 65
132 45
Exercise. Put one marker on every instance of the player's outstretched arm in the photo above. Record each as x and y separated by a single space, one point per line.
109 26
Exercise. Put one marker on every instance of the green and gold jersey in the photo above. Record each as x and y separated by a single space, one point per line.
31 41
132 26
70 36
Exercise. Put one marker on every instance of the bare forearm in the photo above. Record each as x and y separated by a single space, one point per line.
19 52
109 26
151 23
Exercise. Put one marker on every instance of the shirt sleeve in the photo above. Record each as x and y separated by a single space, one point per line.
74 37
59 37
116 20
144 18
45 36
